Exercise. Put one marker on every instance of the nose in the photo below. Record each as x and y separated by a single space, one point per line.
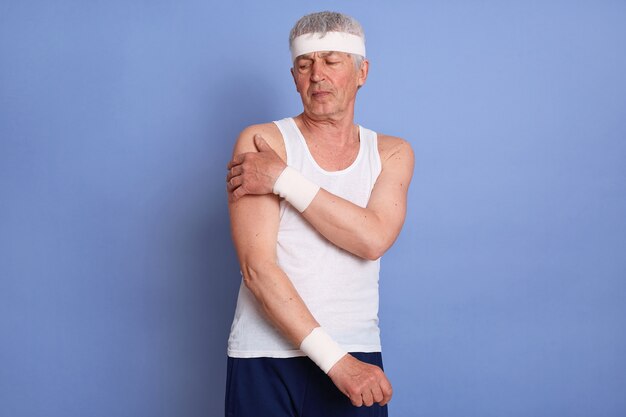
317 71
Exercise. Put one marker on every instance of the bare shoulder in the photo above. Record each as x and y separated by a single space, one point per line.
269 132
394 148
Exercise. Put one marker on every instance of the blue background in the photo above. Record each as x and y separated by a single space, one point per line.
505 294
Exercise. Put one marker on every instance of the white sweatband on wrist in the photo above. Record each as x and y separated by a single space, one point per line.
322 349
295 188
331 41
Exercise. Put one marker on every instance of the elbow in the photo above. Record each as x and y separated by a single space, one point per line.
373 255
375 239
376 244
374 250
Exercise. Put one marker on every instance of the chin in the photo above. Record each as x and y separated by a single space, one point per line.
320 115
320 111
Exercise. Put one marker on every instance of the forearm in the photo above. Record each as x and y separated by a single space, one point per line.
358 230
364 231
279 299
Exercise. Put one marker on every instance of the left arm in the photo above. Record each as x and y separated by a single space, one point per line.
367 232
364 231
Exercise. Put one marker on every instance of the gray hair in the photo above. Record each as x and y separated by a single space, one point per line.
324 22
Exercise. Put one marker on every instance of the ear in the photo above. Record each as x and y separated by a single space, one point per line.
293 75
362 73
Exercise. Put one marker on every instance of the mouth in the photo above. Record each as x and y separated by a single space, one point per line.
320 94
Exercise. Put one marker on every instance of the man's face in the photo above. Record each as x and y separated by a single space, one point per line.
327 82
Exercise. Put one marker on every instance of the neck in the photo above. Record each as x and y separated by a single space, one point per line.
340 130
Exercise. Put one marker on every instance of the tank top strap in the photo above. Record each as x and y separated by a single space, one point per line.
290 134
369 140
295 148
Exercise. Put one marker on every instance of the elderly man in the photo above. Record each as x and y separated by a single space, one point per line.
315 200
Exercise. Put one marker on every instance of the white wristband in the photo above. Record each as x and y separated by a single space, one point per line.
295 188
322 349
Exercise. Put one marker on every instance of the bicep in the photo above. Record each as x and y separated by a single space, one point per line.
254 223
389 195
254 219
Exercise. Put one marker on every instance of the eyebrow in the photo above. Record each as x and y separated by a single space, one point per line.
323 54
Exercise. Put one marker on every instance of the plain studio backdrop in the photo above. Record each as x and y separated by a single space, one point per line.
504 296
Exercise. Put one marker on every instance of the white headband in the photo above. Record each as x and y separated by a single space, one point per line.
332 41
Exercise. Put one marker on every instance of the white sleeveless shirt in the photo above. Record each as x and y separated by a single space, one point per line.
340 289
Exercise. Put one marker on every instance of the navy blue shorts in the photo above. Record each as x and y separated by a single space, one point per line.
290 387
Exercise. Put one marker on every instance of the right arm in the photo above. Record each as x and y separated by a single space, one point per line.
254 227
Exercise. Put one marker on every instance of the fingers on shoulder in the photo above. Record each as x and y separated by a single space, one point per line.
269 132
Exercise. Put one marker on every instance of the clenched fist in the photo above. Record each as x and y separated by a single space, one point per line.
363 383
